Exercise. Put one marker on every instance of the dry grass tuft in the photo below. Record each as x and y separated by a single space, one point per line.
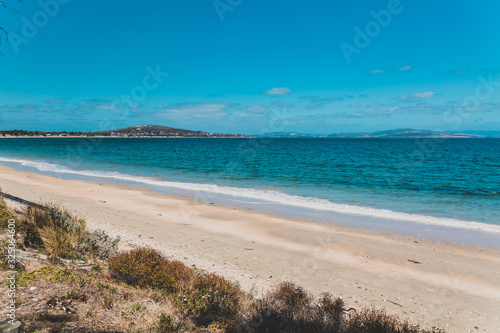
55 229
5 213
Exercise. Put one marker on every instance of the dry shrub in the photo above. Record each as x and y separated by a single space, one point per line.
290 308
373 321
290 295
208 298
147 268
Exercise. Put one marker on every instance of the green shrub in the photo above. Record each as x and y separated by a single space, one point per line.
147 268
99 244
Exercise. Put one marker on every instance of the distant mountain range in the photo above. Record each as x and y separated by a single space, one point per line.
404 133
134 132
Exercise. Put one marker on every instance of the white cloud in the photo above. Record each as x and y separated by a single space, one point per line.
377 71
278 91
390 70
196 109
427 94
404 68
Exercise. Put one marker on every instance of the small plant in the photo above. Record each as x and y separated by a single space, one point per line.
98 243
106 286
7 264
77 295
55 260
22 278
63 275
17 301
96 268
71 254
165 323
41 316
147 268
108 301
157 296
133 309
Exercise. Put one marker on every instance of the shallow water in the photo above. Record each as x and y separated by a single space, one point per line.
441 182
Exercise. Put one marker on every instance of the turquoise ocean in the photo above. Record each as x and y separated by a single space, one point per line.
422 187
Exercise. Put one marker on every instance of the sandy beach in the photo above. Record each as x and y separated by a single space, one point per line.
452 286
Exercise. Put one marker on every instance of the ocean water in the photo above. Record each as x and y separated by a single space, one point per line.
438 182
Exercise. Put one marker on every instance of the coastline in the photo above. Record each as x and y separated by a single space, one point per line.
441 229
434 284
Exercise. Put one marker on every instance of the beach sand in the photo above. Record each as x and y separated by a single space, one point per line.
452 286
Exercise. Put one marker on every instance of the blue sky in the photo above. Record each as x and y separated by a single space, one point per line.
252 66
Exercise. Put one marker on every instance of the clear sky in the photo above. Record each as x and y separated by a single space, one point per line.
252 66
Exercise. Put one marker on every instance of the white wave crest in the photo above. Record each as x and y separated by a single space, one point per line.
266 196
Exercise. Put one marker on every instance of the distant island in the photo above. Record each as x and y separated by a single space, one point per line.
158 131
143 131
404 133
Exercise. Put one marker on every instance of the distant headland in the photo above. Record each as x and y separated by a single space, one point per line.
149 131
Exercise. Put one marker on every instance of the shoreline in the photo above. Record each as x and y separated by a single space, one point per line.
427 282
441 229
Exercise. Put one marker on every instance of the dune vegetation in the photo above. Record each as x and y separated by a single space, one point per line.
72 279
